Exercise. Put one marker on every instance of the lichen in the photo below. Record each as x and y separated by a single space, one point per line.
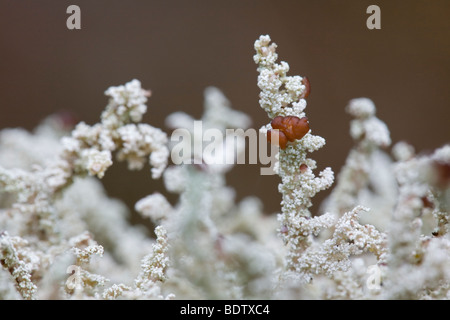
382 233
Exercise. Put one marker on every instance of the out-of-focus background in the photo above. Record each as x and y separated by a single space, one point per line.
177 48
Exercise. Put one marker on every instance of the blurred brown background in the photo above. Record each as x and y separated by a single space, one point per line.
177 48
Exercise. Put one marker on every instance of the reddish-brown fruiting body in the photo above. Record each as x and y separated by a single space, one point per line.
303 168
277 137
288 128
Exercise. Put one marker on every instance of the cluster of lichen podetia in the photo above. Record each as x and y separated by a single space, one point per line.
290 128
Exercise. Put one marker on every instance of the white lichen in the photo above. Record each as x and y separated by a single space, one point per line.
383 233
281 95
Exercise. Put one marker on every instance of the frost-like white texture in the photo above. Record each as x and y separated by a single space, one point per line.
19 262
349 238
383 234
155 206
141 140
127 102
154 265
280 95
84 255
299 183
89 150
366 126
96 162
175 179
410 251
152 273
218 116
117 131
323 265
402 151
48 209
217 251
366 178
361 108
